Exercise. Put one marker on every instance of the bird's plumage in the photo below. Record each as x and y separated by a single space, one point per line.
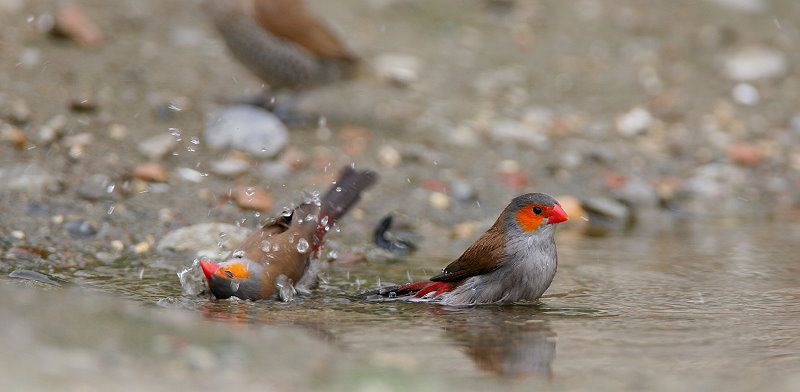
280 254
515 260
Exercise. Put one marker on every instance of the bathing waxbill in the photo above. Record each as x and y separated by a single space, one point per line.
279 257
515 260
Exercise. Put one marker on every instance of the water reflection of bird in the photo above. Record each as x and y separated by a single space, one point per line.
282 43
277 259
509 345
515 260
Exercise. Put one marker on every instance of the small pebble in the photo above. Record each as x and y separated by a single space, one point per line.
96 187
294 158
634 122
230 167
151 172
117 132
80 229
83 104
72 22
18 234
20 112
755 63
190 175
745 154
141 247
15 136
746 94
464 230
389 156
156 147
252 198
572 206
246 128
53 129
397 68
439 200
118 245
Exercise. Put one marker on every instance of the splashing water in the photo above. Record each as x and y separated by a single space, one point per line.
191 278
302 245
265 246
250 191
238 254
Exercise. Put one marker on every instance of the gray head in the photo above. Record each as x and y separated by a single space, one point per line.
238 277
529 212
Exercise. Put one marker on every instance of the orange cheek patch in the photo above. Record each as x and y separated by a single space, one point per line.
237 269
527 220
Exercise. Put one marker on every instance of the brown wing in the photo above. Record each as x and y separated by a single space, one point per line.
291 19
482 257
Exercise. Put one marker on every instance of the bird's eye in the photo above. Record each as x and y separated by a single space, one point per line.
229 274
537 210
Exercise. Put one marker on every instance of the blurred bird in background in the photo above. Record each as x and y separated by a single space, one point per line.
284 44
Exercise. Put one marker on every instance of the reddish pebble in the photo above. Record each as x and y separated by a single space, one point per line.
435 185
73 23
744 154
515 180
252 198
356 139
151 172
15 136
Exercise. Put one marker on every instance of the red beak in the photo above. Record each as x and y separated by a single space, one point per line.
208 268
556 216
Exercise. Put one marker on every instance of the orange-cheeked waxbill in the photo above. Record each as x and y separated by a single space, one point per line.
282 42
515 260
282 255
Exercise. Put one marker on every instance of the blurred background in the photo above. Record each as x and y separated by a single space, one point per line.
668 129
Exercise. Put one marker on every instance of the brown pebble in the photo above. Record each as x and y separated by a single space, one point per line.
572 206
15 136
435 185
252 198
150 171
84 103
294 158
350 258
73 23
744 154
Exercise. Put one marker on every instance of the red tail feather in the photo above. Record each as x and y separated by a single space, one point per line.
437 288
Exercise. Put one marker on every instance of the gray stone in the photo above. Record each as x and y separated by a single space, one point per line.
755 63
28 178
229 167
246 128
507 130
155 147
211 240
96 187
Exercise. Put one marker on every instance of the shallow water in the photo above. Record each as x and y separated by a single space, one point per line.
711 305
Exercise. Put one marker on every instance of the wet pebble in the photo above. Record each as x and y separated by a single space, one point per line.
439 200
230 167
634 122
462 191
80 229
28 178
83 103
96 187
746 94
190 175
19 112
755 63
389 156
72 22
246 128
156 147
52 129
204 239
151 172
606 215
745 154
252 198
572 206
13 135
398 68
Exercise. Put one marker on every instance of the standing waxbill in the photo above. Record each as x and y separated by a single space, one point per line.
281 255
282 42
515 260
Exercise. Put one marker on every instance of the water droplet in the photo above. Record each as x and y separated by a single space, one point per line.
276 247
111 209
250 191
333 254
324 222
110 188
176 133
265 246
238 254
310 218
302 245
286 212
194 140
338 189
